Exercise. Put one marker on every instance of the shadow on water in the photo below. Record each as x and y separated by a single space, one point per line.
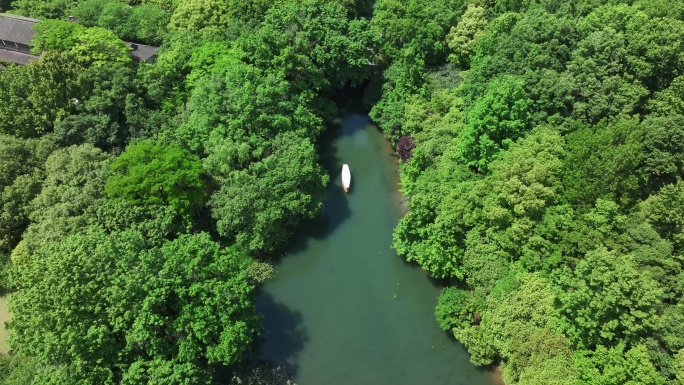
283 336
335 205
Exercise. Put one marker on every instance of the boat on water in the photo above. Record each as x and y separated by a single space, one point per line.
346 177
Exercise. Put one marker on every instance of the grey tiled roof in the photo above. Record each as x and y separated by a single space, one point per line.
16 29
19 29
16 57
142 52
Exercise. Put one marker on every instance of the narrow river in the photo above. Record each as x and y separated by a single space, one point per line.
344 308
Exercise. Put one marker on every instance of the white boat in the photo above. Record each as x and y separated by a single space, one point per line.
346 177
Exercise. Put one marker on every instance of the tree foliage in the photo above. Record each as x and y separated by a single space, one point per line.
603 161
50 9
313 55
258 206
108 166
150 173
131 313
496 121
541 153
88 46
417 27
547 149
616 366
461 38
69 195
39 94
606 300
21 177
141 23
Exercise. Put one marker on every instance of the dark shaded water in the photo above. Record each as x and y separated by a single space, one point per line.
344 308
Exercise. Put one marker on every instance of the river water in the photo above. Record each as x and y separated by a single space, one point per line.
344 308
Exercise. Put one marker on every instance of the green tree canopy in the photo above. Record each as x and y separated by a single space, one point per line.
100 117
39 94
605 300
313 45
615 366
664 211
88 11
70 193
670 100
494 122
97 46
151 173
521 324
22 164
57 35
416 26
89 46
129 314
259 206
603 161
461 38
195 15
116 17
238 110
489 194
663 160
42 9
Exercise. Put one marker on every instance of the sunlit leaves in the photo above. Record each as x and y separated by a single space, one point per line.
606 300
617 366
107 308
150 173
461 38
37 95
258 206
494 122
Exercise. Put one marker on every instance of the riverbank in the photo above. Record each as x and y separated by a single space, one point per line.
402 203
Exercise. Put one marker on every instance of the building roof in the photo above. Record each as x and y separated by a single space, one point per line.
16 29
142 52
16 57
19 29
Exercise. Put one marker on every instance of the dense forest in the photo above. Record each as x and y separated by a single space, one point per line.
541 145
141 203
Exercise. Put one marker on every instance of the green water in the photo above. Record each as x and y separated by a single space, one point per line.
344 308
